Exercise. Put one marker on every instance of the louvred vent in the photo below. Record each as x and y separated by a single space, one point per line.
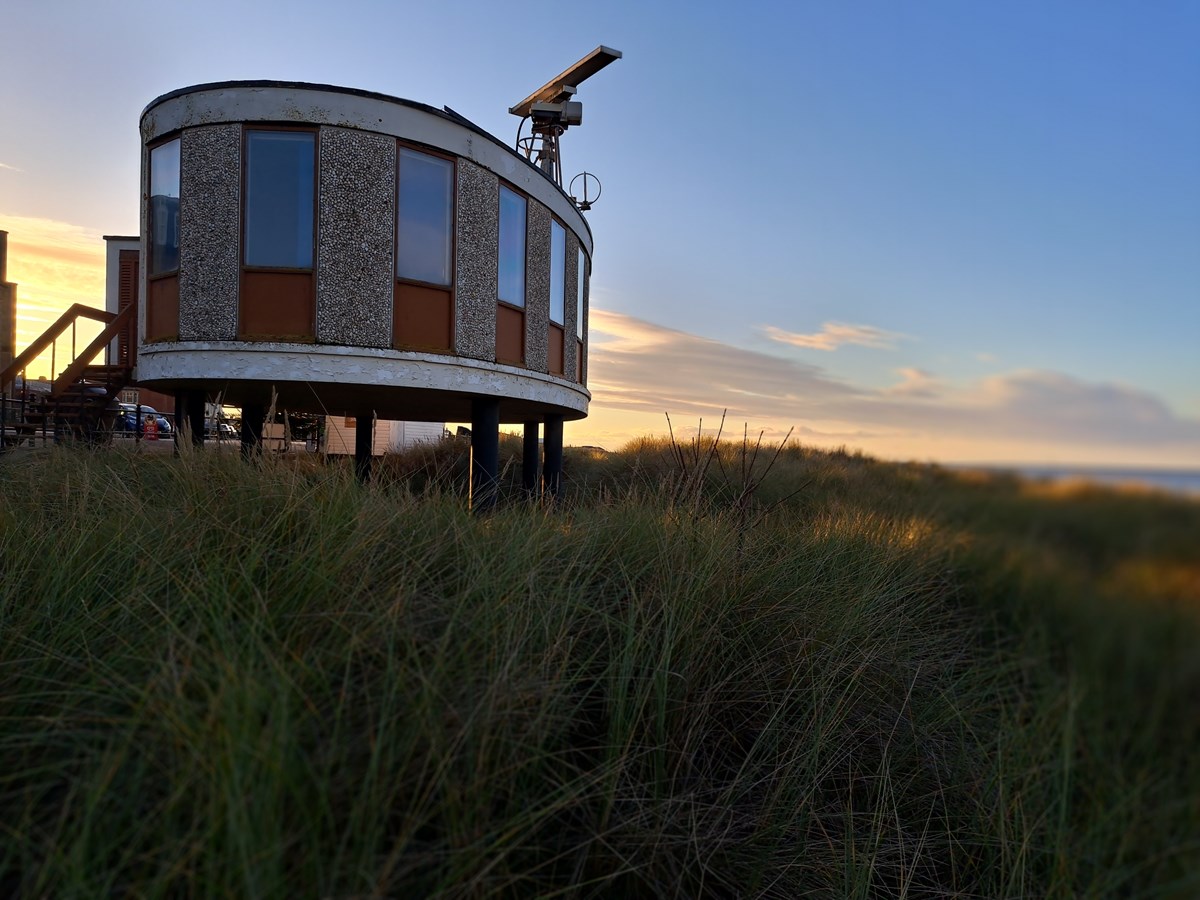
127 295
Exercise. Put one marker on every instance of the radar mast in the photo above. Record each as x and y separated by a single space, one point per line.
551 112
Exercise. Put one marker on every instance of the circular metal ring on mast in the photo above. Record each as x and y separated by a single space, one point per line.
588 198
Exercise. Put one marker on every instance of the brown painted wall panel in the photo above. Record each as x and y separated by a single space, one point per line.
556 349
162 309
277 306
422 318
510 335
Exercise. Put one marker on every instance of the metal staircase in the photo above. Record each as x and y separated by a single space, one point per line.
73 405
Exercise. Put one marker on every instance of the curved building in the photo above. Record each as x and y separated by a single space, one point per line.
351 253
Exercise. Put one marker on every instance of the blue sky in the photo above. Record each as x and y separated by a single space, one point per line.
932 230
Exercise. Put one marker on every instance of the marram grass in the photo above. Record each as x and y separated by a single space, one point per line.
695 678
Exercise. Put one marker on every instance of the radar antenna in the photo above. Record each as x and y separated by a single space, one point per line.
588 197
552 111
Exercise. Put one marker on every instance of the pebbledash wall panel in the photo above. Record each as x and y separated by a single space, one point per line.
209 227
357 209
537 285
477 235
346 282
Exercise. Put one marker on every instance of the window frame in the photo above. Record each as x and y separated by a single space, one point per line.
248 273
150 275
503 185
562 321
315 131
160 301
453 160
580 292
401 283
581 300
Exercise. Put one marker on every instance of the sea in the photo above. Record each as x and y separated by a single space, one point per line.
1184 482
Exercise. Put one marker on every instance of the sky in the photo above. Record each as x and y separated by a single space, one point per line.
961 232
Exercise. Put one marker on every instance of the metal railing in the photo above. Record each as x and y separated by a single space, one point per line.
26 410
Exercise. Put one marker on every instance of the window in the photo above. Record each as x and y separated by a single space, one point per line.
424 218
511 268
162 265
558 272
423 300
164 208
279 199
580 281
277 300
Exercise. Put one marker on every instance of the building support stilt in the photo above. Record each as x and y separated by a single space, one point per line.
552 447
530 460
252 429
189 417
485 452
364 441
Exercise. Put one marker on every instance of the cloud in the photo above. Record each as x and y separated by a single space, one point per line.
10 168
638 370
638 366
1056 404
915 383
834 334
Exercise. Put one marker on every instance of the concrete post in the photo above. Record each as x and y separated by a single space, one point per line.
552 445
485 452
529 461
364 440
253 415
189 416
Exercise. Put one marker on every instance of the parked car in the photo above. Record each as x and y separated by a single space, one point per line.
222 431
127 420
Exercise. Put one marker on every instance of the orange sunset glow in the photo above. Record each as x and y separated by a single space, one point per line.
53 264
56 264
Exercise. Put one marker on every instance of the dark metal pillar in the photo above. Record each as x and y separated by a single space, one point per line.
252 429
552 447
529 461
485 452
364 442
189 417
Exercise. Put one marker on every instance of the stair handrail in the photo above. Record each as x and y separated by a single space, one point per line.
72 372
50 335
